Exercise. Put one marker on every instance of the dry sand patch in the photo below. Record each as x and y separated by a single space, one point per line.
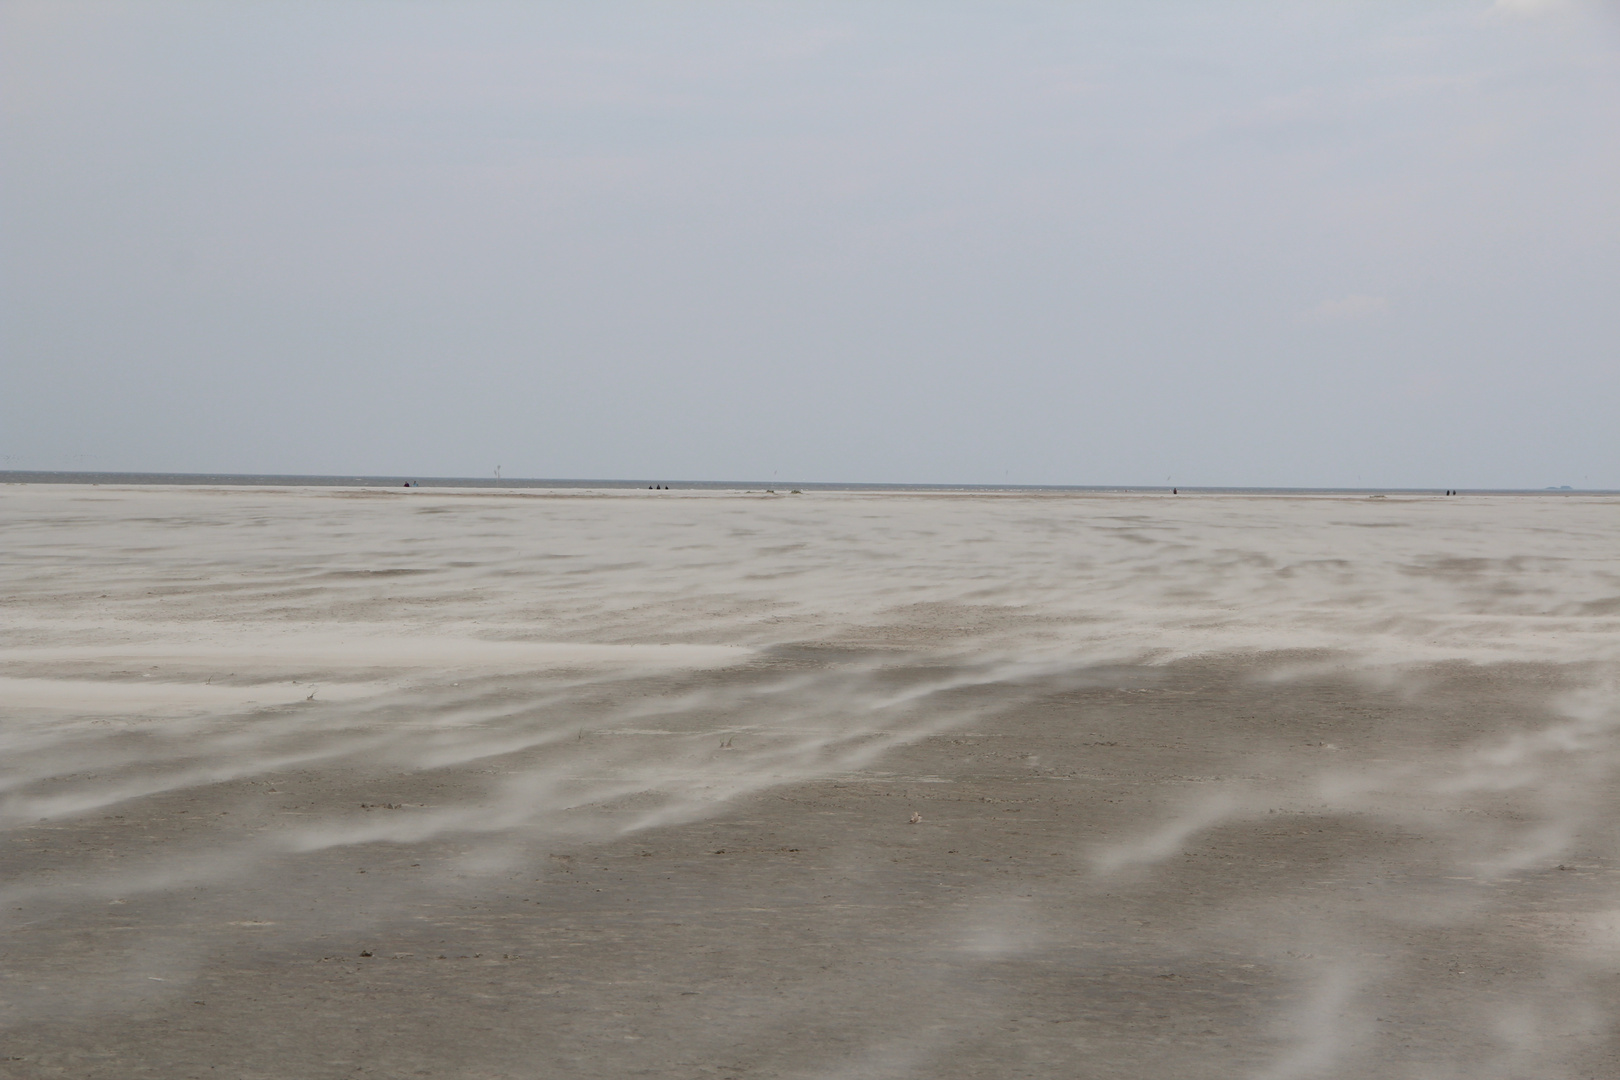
614 786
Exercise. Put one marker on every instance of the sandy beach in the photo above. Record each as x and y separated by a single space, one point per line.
328 783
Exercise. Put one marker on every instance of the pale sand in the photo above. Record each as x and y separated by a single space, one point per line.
613 784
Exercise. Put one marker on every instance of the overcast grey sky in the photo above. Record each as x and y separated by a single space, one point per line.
1093 242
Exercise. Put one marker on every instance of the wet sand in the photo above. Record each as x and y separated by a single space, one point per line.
339 783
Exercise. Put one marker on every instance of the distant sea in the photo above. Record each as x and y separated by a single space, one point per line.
345 480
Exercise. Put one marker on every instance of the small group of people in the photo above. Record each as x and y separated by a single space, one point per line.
657 487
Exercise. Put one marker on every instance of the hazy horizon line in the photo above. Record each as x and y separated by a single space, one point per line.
229 479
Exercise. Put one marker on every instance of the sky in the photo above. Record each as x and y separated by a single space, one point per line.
1202 243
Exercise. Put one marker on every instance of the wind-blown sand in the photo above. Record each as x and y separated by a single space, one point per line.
332 783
